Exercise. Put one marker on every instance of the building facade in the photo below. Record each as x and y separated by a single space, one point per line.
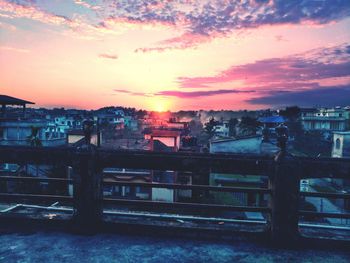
334 119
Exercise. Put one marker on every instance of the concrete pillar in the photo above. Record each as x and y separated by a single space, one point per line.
88 195
284 202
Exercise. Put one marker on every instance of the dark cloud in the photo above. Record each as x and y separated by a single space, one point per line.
195 94
297 79
202 20
322 96
218 18
301 69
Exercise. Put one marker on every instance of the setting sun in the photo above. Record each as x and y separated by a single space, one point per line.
160 104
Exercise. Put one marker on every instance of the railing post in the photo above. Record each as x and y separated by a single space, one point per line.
87 190
284 201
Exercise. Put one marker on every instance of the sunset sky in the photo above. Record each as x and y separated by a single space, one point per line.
176 55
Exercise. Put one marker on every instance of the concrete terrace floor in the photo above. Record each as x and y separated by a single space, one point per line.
51 246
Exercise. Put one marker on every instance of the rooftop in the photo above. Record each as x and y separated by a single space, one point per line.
52 246
235 139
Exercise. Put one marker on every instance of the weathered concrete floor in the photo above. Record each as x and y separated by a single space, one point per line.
64 247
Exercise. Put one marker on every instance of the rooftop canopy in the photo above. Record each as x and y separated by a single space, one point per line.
271 119
8 100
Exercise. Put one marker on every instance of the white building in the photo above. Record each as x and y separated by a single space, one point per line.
21 132
341 144
334 119
222 129
116 120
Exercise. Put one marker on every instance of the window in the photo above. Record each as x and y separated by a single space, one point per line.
335 126
337 144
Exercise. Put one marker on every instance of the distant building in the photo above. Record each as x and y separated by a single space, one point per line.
17 129
116 120
177 125
65 123
245 145
77 137
21 132
341 145
127 175
159 141
131 123
323 119
170 140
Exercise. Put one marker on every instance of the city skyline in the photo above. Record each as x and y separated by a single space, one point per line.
176 55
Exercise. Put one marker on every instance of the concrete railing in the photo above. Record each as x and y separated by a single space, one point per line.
284 173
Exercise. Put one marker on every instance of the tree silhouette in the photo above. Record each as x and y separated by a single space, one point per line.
33 138
232 126
248 125
209 127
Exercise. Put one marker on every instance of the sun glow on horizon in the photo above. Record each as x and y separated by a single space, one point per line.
160 104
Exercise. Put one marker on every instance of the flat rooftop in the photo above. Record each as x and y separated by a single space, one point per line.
63 247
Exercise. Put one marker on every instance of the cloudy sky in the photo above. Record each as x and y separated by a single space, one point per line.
176 54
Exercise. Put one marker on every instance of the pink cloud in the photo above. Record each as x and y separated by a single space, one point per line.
184 94
31 12
78 25
15 49
110 56
87 5
186 40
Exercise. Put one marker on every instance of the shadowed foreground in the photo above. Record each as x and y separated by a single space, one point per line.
63 247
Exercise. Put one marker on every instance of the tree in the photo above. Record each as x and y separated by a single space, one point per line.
209 127
33 138
312 143
34 141
290 113
195 127
248 125
232 126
